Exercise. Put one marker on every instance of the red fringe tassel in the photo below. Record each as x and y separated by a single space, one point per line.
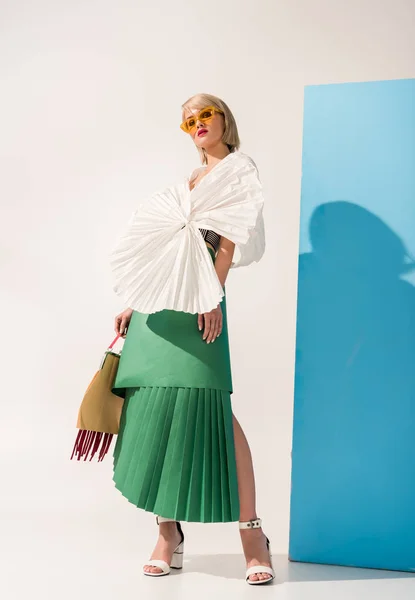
88 442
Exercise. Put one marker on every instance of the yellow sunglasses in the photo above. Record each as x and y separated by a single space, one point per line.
204 115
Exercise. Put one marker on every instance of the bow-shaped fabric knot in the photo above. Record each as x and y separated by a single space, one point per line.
162 261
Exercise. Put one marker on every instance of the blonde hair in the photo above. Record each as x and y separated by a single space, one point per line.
230 135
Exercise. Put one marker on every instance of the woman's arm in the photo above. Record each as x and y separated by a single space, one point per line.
212 321
224 259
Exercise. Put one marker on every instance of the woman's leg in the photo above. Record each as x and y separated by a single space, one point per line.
253 540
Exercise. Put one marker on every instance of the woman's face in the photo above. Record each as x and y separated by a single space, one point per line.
205 134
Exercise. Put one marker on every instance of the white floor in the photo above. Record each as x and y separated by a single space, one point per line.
59 558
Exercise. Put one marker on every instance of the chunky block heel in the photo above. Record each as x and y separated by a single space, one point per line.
177 558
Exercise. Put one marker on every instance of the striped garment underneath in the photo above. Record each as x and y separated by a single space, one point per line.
211 237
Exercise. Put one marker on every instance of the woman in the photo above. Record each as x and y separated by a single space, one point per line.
181 452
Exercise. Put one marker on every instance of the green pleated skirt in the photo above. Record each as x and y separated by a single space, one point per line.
175 453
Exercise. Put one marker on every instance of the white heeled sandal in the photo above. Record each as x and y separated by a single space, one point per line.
256 524
177 558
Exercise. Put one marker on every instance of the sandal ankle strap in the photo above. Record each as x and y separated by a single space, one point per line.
164 520
253 524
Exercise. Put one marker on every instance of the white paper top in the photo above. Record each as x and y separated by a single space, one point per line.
162 260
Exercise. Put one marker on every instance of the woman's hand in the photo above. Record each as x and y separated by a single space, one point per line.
213 324
122 321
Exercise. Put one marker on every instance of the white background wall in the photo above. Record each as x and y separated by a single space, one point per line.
90 111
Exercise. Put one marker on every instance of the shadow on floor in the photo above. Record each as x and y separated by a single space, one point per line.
231 566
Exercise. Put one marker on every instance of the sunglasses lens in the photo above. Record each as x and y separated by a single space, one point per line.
190 123
205 114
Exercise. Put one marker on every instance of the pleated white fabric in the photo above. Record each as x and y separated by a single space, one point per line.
162 262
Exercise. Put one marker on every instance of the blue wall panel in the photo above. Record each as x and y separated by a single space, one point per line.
353 456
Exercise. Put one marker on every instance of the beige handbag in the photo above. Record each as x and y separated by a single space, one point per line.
100 411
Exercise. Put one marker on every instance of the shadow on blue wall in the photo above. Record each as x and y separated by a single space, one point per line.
354 394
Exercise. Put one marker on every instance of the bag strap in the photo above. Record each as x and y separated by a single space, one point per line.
104 356
113 342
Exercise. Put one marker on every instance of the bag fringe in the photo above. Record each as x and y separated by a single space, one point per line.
89 442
